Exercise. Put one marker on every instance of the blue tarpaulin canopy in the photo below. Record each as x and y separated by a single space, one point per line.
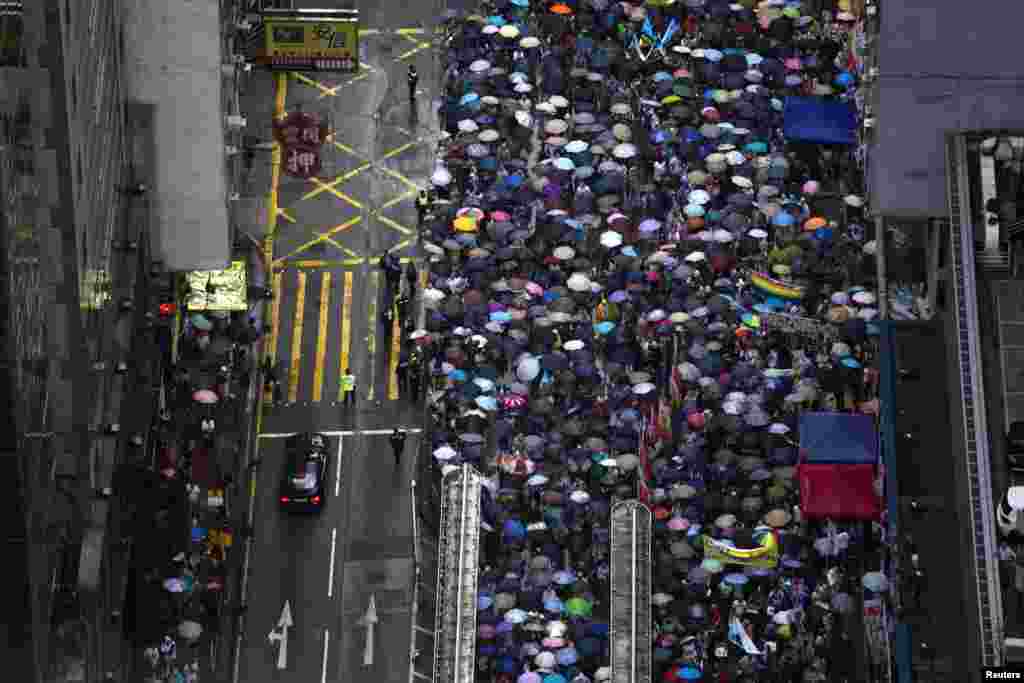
838 438
815 119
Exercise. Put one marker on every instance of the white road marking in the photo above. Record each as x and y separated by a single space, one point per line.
337 469
368 432
323 667
330 578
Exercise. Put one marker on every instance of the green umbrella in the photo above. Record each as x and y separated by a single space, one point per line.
578 607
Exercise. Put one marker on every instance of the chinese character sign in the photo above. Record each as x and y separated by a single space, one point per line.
301 128
301 162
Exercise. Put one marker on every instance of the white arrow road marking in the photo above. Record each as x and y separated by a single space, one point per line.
369 620
280 635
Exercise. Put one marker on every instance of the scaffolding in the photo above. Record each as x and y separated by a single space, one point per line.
458 565
631 637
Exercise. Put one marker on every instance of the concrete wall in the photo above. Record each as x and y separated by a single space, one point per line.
172 61
943 67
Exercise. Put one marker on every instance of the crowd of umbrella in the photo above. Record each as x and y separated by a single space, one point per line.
608 234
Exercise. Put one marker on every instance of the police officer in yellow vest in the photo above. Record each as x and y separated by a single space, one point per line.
348 387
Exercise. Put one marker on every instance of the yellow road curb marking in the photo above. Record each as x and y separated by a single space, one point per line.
393 361
371 338
275 319
346 329
321 336
300 310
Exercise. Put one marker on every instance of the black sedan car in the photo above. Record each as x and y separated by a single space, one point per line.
305 472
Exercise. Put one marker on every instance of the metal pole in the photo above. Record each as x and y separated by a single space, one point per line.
633 599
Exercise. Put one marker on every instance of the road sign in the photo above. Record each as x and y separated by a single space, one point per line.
369 620
280 635
301 162
314 39
301 128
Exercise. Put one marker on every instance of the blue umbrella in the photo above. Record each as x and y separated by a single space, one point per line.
521 3
783 219
604 328
457 375
567 656
496 20
487 403
514 529
469 98
689 673
736 579
555 678
484 600
850 362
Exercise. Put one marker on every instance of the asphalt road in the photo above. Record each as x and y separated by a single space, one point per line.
329 233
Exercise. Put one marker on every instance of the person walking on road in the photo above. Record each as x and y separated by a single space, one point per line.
398 444
348 386
402 373
414 79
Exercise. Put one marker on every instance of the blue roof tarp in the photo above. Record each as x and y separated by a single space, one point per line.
838 439
814 119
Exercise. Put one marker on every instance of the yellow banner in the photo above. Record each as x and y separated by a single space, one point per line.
218 290
334 39
765 556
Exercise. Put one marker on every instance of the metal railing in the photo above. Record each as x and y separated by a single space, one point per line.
981 508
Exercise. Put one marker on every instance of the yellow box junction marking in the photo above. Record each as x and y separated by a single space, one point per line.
322 238
346 329
321 337
371 339
293 370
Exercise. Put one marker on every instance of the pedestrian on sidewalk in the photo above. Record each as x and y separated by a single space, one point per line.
422 203
414 79
398 444
402 374
348 386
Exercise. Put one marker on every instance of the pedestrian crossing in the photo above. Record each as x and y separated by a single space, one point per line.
316 333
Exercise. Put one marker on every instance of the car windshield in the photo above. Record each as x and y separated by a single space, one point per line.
304 474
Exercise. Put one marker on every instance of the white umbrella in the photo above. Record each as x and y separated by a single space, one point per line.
468 126
509 31
573 345
545 107
480 66
578 282
522 88
528 369
864 298
576 147
622 132
722 236
611 239
628 461
556 126
643 388
489 30
441 176
523 118
529 42
624 151
695 257
190 630
564 253
758 233
488 135
559 101
620 109
564 164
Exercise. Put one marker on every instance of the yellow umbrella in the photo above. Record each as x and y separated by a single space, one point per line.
660 3
466 224
671 99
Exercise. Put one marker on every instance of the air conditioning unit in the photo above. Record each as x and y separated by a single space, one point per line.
239 59
227 70
234 197
230 150
236 121
243 25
